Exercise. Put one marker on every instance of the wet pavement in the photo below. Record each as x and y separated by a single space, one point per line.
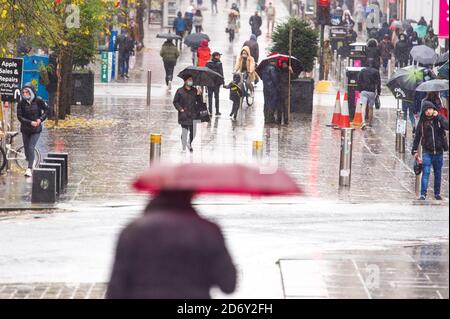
347 227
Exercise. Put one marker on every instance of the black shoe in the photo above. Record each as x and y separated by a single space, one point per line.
438 197
191 149
218 113
126 76
423 197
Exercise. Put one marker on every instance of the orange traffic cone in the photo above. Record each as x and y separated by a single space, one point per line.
358 120
344 121
337 111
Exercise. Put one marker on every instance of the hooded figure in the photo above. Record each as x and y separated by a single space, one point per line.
373 54
171 252
421 28
203 53
31 112
246 64
271 81
402 51
430 132
253 45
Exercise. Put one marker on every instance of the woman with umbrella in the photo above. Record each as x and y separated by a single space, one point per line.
233 17
186 102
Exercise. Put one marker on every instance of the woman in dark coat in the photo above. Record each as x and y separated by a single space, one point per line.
186 101
172 253
373 54
402 51
32 111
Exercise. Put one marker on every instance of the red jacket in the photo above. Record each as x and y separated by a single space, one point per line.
203 53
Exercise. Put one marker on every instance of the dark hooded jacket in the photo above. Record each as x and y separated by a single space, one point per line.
271 81
402 49
189 101
253 45
30 111
430 132
216 66
369 80
172 253
373 54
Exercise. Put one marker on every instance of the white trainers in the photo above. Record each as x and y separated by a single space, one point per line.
28 172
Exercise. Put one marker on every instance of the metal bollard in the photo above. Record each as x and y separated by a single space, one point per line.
257 150
149 86
400 132
338 69
155 148
334 63
345 166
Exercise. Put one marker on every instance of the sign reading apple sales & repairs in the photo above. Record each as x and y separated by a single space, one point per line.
10 78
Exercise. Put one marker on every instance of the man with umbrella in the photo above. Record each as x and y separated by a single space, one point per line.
216 65
186 102
271 81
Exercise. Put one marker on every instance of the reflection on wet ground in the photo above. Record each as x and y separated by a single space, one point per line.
419 271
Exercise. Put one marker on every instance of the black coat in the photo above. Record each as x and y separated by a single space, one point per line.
254 48
256 23
28 112
271 81
369 80
189 101
216 66
431 134
172 253
402 50
373 55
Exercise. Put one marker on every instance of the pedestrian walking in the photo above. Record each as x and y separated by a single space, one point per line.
125 45
32 111
169 54
261 6
431 40
253 45
369 84
386 49
198 21
170 252
432 136
271 81
214 91
360 17
203 53
347 20
236 94
214 9
270 16
421 28
283 108
188 20
233 16
327 58
256 23
180 27
383 31
373 55
401 51
186 102
435 98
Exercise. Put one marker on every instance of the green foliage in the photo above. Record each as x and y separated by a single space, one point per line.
304 41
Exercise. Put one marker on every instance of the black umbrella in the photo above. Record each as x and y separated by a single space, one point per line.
193 40
296 64
202 76
169 36
442 59
404 83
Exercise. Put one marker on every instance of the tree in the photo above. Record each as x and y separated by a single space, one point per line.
71 28
304 41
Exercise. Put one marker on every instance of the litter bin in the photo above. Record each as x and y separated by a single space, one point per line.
338 38
302 97
31 74
352 88
83 88
358 54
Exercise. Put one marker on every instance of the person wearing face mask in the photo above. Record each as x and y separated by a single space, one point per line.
31 112
216 65
186 102
431 135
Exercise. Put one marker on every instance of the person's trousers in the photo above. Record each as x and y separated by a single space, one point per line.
283 111
435 161
326 70
29 144
185 131
181 34
235 109
169 67
270 25
214 7
124 62
407 107
402 63
231 33
367 99
198 29
385 62
269 115
213 91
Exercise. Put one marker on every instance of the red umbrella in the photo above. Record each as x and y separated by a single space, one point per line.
216 179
